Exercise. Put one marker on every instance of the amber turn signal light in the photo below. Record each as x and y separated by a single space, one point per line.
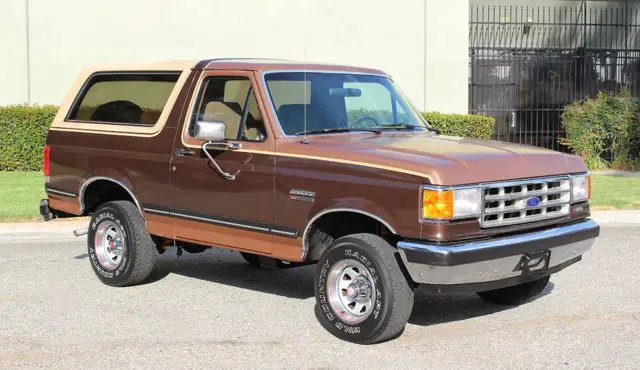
437 204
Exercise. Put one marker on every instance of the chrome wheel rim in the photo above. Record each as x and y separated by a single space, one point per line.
110 245
351 290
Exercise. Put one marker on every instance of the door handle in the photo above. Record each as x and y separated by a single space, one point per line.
184 152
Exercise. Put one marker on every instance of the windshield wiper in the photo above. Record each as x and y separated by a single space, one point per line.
335 129
406 126
400 126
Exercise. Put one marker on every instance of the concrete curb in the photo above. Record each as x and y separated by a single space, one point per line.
622 218
40 227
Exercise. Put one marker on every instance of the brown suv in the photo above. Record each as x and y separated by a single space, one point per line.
294 163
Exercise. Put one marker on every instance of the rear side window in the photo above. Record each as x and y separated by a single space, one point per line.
124 98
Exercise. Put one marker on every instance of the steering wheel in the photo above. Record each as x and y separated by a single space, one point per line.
360 120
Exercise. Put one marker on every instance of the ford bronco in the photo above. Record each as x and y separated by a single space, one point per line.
292 163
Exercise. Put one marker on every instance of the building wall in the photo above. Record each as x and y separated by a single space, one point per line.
421 43
13 48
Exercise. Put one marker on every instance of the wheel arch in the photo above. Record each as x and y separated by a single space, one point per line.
94 181
306 243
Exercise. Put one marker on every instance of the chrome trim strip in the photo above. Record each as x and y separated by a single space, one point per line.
532 180
244 226
268 93
529 180
564 211
221 222
60 192
447 187
529 194
537 236
152 210
86 183
276 231
552 203
305 244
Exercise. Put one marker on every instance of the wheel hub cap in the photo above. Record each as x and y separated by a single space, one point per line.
351 290
109 245
361 288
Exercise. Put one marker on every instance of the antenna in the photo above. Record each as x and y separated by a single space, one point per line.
304 83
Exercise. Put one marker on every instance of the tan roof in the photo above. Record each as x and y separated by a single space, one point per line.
252 64
259 64
160 65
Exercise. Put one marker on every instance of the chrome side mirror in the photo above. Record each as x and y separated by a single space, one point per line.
209 131
213 134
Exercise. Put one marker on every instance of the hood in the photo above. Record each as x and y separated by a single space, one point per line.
444 160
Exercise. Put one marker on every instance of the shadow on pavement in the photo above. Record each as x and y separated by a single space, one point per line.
430 309
229 268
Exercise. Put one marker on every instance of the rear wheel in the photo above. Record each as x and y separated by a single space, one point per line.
121 250
362 296
517 294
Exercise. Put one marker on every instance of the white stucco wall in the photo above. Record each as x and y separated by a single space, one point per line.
421 43
13 52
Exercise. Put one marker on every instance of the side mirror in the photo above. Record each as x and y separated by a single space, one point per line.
209 131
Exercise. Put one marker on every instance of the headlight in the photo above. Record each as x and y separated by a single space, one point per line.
580 188
449 203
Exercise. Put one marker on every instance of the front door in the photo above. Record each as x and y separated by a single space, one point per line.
230 211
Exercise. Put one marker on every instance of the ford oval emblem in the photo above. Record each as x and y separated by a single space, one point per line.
532 202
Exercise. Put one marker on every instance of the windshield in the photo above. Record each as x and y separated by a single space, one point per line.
337 102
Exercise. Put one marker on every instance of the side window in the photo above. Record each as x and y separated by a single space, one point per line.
253 129
124 98
230 100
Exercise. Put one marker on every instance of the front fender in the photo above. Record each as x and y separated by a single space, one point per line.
357 205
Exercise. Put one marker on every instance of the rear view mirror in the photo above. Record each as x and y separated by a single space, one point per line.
209 131
345 91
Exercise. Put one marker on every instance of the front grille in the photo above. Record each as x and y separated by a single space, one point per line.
514 202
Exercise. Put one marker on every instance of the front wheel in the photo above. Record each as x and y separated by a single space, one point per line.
517 294
362 296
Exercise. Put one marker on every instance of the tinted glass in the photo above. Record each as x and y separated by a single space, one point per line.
224 99
127 98
337 100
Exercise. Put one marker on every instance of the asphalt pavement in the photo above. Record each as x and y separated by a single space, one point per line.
213 310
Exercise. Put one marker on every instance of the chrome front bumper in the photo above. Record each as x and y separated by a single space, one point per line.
496 262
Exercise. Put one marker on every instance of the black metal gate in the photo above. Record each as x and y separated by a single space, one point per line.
528 62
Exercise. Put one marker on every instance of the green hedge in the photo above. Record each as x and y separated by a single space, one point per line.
604 127
465 125
23 131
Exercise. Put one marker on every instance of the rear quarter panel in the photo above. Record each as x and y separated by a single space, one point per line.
139 157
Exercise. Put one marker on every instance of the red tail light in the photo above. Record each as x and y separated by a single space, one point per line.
45 166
